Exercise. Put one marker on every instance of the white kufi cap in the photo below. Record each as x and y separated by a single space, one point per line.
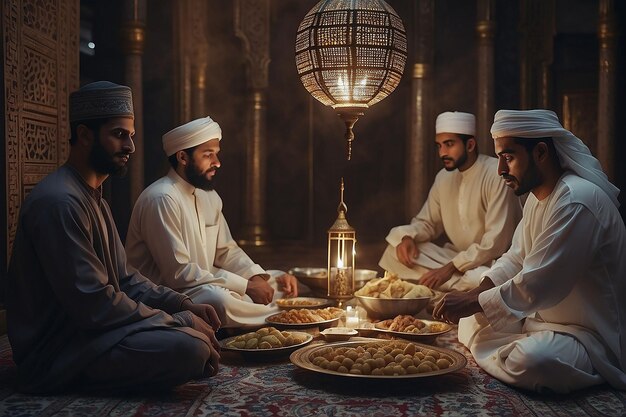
191 134
456 122
573 154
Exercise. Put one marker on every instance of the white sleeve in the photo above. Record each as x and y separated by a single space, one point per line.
510 263
501 218
424 227
162 234
230 257
549 271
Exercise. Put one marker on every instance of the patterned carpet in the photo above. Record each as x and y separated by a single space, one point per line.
280 389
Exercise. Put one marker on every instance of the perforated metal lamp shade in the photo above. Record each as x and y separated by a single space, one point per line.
350 54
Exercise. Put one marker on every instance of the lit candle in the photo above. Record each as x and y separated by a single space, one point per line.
352 317
342 279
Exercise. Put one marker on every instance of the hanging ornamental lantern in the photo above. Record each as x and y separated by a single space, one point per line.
350 54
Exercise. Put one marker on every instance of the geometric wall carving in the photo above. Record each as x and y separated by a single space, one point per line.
40 141
39 80
40 44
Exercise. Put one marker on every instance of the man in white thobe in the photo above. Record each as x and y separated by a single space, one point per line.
468 203
178 234
550 314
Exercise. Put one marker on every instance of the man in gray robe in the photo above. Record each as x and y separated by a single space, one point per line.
77 314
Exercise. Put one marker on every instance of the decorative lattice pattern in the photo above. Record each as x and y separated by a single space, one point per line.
351 52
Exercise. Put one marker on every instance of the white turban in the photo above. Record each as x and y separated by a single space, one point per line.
456 122
573 154
191 134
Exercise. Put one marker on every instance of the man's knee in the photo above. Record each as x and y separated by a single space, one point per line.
525 360
188 354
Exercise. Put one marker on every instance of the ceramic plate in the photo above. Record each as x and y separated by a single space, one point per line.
267 353
302 302
419 337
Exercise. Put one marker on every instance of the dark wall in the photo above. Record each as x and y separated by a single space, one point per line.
375 177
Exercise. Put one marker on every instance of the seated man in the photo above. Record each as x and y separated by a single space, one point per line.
468 203
76 314
550 313
179 236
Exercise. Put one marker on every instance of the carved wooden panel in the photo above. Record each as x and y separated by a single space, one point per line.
252 21
40 39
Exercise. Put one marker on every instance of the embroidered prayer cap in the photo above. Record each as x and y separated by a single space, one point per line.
191 134
101 100
456 122
573 154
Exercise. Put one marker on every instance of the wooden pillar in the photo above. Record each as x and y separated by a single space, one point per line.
192 54
421 133
537 28
252 26
485 30
606 88
133 40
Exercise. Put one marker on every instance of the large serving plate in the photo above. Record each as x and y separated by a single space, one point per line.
302 302
260 354
322 324
424 337
302 358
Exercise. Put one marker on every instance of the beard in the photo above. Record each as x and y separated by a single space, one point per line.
456 163
198 178
103 163
530 179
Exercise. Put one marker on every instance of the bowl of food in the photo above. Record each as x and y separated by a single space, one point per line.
384 308
314 278
338 334
362 277
390 296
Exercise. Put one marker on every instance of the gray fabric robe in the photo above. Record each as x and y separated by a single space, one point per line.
70 294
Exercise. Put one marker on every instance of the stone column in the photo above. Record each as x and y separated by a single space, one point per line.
485 30
191 44
133 40
537 26
421 133
252 26
606 88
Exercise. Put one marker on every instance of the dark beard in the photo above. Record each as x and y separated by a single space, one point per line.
459 162
102 162
530 180
197 178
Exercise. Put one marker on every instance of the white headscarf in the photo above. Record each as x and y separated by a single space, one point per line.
191 134
573 154
456 122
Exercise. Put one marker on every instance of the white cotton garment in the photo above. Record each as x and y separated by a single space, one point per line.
179 238
565 273
477 212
